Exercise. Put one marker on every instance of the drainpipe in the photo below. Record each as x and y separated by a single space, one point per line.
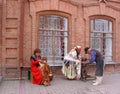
21 34
1 14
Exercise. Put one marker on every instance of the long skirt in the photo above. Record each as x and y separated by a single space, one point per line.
46 74
71 70
37 76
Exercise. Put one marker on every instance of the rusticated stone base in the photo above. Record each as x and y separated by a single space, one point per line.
56 70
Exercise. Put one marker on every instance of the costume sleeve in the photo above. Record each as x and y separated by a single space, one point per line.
34 62
69 56
74 54
93 56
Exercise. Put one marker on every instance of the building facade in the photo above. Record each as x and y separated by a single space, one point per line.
56 26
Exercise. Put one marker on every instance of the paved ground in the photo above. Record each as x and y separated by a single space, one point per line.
59 85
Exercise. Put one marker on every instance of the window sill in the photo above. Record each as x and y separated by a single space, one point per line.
110 62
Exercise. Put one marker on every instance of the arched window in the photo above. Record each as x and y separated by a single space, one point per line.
53 34
102 37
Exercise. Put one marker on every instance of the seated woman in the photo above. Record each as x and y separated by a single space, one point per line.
35 67
41 71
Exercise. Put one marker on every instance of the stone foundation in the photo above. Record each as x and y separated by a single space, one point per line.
109 68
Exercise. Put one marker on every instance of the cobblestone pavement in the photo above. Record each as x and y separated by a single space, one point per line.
59 85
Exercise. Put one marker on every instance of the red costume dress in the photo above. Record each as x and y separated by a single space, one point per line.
37 76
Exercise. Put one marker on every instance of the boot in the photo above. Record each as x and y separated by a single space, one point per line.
94 81
98 80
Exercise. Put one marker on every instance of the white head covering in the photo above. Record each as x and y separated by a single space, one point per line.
78 47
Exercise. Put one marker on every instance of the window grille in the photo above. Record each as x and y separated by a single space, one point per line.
101 37
53 34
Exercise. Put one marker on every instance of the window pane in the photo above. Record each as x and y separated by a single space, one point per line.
101 25
108 47
96 41
110 27
92 26
51 22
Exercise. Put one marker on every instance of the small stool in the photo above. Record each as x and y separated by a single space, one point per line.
30 76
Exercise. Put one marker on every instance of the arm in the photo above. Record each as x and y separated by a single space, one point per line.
93 56
35 62
70 56
73 55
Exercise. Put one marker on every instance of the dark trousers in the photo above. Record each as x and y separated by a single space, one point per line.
99 66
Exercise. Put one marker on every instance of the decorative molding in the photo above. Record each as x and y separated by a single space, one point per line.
102 1
115 1
31 0
113 7
94 3
105 1
71 2
90 4
77 2
82 2
34 0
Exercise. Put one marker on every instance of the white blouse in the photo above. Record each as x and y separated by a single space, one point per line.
72 56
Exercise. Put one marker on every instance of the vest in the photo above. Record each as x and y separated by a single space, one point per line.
98 54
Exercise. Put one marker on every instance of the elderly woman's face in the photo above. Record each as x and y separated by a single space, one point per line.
78 50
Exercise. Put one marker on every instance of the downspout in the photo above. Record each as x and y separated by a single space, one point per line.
1 14
21 34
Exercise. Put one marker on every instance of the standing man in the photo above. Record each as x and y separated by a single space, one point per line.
96 56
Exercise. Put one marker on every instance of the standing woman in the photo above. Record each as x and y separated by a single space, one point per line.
35 67
71 68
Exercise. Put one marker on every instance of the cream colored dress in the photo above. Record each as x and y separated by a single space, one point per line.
73 69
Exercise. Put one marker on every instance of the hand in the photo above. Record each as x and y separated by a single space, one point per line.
39 60
86 62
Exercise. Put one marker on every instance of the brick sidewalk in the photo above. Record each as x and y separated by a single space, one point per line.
59 85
